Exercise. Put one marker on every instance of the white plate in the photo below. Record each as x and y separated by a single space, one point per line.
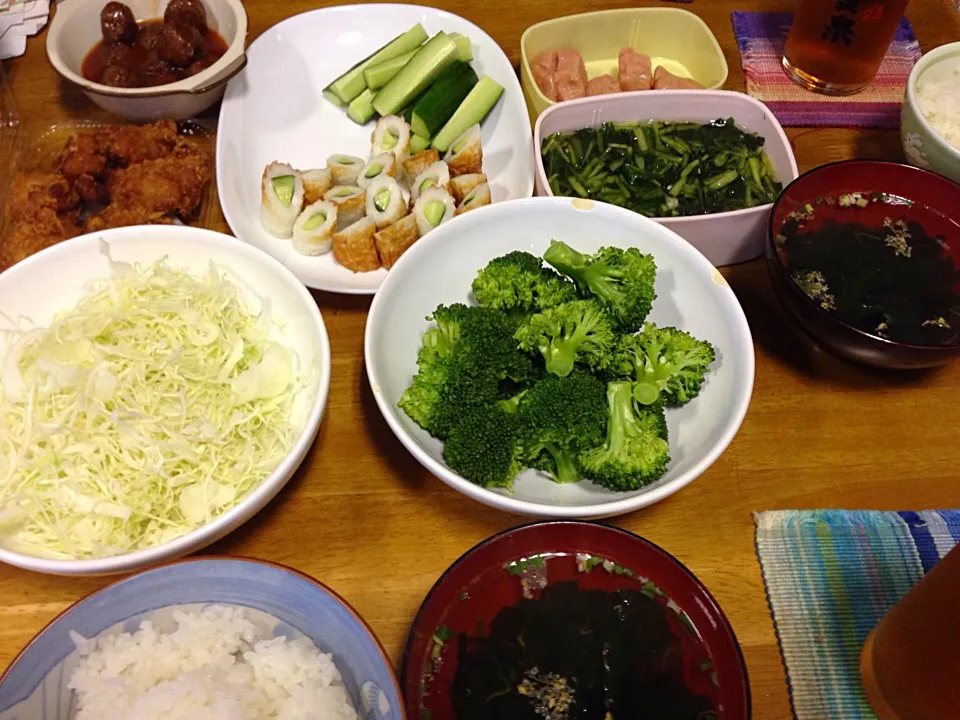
274 110
691 295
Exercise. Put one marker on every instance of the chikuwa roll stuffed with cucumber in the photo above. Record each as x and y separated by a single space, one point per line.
382 165
281 199
461 185
435 176
465 154
418 162
315 183
313 231
394 240
434 207
345 168
392 134
354 246
478 197
385 204
350 201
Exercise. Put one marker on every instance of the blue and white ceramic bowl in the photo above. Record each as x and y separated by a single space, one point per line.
34 687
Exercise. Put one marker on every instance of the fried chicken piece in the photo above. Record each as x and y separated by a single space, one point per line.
80 156
90 190
128 144
150 191
32 211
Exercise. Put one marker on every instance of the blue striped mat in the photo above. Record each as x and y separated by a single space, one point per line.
830 576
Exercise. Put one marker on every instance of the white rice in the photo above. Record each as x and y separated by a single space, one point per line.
217 665
939 101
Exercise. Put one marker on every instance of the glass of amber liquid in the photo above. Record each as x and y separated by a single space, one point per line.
910 663
836 46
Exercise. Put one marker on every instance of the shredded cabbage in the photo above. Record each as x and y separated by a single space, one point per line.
155 405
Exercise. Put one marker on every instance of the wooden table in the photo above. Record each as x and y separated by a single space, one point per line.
365 518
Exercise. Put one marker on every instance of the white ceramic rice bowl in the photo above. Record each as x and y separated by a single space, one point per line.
691 295
54 280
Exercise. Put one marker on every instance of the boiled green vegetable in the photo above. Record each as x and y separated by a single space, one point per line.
662 169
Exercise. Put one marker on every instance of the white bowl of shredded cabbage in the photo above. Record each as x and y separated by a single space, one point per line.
158 386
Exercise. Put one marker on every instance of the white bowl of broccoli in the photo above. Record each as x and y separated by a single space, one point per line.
559 358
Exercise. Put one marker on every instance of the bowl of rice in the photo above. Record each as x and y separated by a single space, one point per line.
213 638
930 119
153 397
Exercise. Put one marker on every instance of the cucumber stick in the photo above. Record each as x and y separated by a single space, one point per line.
463 47
361 109
472 110
441 100
352 83
430 60
376 76
418 143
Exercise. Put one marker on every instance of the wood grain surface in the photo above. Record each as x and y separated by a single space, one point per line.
362 516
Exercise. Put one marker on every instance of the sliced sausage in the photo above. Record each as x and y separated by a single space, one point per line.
571 76
665 80
634 72
602 85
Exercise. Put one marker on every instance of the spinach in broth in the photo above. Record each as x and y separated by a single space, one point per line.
571 653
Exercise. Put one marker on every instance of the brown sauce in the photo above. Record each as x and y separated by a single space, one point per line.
142 64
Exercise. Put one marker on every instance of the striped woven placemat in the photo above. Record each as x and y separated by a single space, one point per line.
761 37
830 576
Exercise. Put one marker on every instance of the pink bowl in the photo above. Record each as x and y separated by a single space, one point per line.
724 238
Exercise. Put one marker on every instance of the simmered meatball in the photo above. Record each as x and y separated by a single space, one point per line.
119 76
179 43
188 12
118 24
200 64
149 36
118 54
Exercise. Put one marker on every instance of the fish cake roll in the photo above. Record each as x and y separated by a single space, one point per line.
461 185
385 203
345 168
313 232
394 240
465 155
433 208
351 202
354 246
478 197
391 134
436 175
281 199
316 182
418 162
382 165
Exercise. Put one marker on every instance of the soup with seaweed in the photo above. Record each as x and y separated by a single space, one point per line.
878 271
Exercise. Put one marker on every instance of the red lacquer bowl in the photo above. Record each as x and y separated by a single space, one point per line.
936 206
471 592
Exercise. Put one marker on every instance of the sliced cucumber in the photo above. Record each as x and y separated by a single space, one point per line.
433 211
376 76
352 83
315 221
283 187
441 100
333 97
430 60
361 107
472 110
418 143
464 50
382 199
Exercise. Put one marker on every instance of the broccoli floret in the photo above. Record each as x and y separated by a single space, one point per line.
558 416
575 332
519 281
462 363
621 280
667 364
512 404
635 452
483 446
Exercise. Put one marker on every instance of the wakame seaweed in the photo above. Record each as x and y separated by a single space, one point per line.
894 281
582 654
662 169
